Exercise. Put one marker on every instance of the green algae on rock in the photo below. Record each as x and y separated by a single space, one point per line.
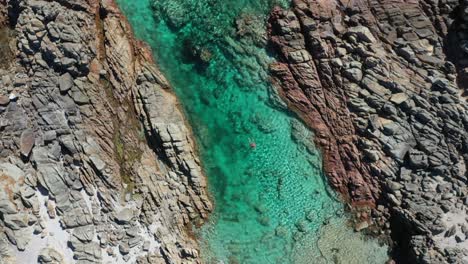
272 203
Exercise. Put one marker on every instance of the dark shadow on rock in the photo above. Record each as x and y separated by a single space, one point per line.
456 47
401 235
6 52
14 10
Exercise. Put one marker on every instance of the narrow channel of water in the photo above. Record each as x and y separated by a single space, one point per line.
271 201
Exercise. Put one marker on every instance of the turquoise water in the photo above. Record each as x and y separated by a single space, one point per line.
271 202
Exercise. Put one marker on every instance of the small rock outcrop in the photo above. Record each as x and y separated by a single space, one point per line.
379 83
97 164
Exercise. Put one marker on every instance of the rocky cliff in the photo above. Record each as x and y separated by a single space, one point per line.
97 164
383 85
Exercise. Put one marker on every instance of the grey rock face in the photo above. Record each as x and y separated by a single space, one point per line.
124 216
74 169
48 255
65 82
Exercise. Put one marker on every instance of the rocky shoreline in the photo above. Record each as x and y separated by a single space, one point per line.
383 85
99 166
96 160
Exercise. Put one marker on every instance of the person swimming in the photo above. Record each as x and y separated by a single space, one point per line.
252 144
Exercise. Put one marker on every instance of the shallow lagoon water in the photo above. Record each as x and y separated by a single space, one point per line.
272 204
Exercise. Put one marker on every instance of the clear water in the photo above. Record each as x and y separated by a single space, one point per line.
271 202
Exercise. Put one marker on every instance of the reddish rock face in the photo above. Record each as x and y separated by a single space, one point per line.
335 137
321 105
379 84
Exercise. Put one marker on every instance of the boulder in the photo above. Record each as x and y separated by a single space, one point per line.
124 249
124 216
417 159
84 233
363 33
50 255
27 142
6 205
80 98
353 74
87 253
65 82
4 100
361 226
398 98
452 231
16 221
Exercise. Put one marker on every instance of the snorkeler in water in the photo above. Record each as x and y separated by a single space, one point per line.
252 144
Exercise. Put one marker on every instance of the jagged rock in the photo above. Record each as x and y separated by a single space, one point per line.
4 100
13 97
354 74
395 186
405 105
363 33
65 82
27 142
12 171
87 252
124 249
50 255
20 238
84 233
124 216
451 231
51 177
418 159
76 75
399 98
146 246
80 98
411 187
361 226
16 221
97 162
50 136
6 205
407 53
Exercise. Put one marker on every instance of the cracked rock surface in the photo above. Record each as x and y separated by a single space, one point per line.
97 164
383 85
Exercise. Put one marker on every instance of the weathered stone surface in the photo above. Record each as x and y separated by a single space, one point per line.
65 82
124 216
399 98
4 100
84 233
363 33
27 142
77 180
385 99
49 255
